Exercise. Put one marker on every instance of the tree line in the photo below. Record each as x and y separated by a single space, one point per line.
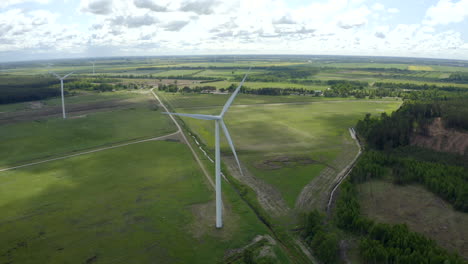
14 88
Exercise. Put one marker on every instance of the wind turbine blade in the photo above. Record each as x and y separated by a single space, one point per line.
229 101
228 137
197 116
67 75
56 75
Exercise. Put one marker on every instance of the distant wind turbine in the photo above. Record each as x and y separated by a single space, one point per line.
61 86
219 122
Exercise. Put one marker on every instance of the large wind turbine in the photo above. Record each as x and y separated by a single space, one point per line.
61 86
219 122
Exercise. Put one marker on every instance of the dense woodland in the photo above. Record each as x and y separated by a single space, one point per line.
15 89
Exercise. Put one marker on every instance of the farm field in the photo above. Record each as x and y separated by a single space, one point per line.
118 207
256 85
52 136
150 202
77 99
413 205
297 140
177 100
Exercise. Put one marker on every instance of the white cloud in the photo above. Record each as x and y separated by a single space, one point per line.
446 12
97 7
7 3
176 25
378 7
134 21
393 10
224 26
354 18
150 4
201 7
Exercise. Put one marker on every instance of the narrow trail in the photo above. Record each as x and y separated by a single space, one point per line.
179 129
345 172
90 151
268 196
320 191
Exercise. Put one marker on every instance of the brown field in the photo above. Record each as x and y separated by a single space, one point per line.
420 209
441 139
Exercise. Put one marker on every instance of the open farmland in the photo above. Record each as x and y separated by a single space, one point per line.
159 206
126 118
118 207
256 85
284 144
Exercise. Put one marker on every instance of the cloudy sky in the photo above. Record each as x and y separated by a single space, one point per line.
43 29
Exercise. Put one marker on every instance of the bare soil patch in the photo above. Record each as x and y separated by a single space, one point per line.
205 219
36 105
421 210
284 161
441 139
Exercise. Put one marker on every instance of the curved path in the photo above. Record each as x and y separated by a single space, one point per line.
319 193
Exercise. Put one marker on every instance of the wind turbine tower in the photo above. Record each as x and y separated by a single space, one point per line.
219 122
93 62
61 86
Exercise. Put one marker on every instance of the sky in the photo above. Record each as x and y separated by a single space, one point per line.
50 29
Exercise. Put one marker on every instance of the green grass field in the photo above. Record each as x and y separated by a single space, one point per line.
118 207
257 85
262 132
54 136
83 97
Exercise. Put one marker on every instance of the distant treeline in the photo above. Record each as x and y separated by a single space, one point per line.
14 88
459 77
100 84
278 74
412 86
175 77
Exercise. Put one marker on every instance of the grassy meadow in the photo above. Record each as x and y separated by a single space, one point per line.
150 202
118 207
54 136
268 129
